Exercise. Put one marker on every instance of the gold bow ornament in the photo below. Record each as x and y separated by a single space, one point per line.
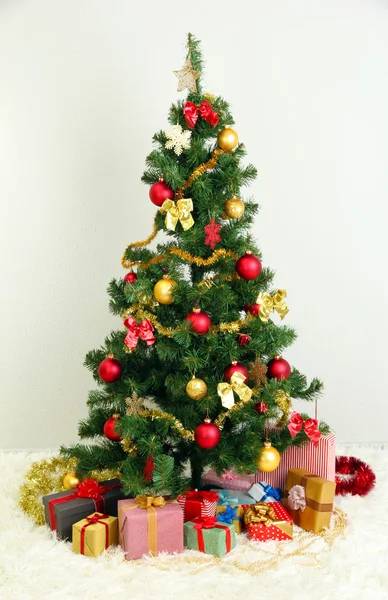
269 303
178 211
237 385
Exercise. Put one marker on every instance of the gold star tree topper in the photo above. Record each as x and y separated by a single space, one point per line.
187 77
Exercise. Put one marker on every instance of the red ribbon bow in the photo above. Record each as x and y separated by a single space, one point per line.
144 331
90 488
310 427
205 522
191 112
96 518
201 495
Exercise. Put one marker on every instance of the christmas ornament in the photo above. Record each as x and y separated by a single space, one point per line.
196 388
178 211
110 369
269 303
257 372
243 339
226 390
134 404
70 481
159 192
149 468
283 402
234 208
227 139
212 236
261 408
187 77
163 290
200 321
207 435
252 309
248 266
235 367
310 427
269 458
128 446
144 331
109 429
358 478
130 277
278 368
191 112
178 139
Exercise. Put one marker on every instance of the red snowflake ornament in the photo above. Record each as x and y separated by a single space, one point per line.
212 236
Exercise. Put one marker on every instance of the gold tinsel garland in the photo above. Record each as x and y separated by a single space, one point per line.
183 255
127 264
210 164
175 423
283 401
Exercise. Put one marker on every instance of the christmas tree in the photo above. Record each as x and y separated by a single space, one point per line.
194 379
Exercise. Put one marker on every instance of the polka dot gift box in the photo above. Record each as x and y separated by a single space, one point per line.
268 521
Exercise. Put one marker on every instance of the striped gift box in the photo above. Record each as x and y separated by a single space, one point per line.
319 460
198 504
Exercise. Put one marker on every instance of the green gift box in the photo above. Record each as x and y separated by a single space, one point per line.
208 536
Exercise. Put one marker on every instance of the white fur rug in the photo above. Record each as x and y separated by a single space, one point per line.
33 565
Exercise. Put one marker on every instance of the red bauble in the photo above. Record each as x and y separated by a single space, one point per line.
248 266
243 339
110 369
207 435
159 192
252 309
200 321
130 277
109 429
235 367
278 368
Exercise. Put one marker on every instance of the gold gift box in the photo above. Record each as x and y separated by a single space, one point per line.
319 493
239 522
95 536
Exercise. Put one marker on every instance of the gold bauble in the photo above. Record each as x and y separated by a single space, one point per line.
269 458
163 290
227 139
70 481
196 388
234 208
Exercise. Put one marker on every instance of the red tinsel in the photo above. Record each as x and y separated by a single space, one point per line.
353 476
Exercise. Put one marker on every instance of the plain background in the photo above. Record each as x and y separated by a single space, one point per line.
84 84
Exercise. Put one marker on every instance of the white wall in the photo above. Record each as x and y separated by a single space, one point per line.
84 84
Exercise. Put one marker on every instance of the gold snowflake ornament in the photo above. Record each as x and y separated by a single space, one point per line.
187 77
134 404
178 139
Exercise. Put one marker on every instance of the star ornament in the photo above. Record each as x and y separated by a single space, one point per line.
212 236
187 77
178 139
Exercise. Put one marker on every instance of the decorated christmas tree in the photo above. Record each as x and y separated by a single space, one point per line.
194 378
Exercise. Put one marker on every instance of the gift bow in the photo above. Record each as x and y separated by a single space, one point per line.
260 513
191 112
269 303
310 427
148 500
228 474
96 518
225 390
297 498
270 492
178 211
90 488
205 523
229 515
225 499
144 331
201 495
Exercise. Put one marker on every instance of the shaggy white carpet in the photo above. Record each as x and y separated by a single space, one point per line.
33 565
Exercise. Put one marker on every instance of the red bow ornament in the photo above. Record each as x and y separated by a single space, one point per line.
191 112
90 488
144 331
310 427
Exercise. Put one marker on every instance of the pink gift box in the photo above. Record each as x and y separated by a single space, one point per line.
230 480
136 529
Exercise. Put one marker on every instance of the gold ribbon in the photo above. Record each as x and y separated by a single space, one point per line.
269 303
148 500
178 211
261 512
225 390
150 504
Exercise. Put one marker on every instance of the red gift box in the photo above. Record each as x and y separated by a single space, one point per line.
198 504
275 529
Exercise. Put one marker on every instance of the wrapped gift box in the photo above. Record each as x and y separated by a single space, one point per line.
226 497
263 492
91 536
64 509
232 514
198 504
229 480
148 525
268 521
319 460
309 499
209 536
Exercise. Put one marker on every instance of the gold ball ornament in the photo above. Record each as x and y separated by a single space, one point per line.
234 208
163 290
196 388
227 139
269 458
70 481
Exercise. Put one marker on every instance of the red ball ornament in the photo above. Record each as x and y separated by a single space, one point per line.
200 321
109 429
159 192
248 266
207 435
235 367
252 309
130 277
278 368
110 369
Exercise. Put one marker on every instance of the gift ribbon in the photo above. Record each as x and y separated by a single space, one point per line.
149 503
144 331
202 523
264 514
178 211
270 492
310 427
225 390
229 474
96 518
229 515
191 112
269 303
223 498
193 500
297 499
